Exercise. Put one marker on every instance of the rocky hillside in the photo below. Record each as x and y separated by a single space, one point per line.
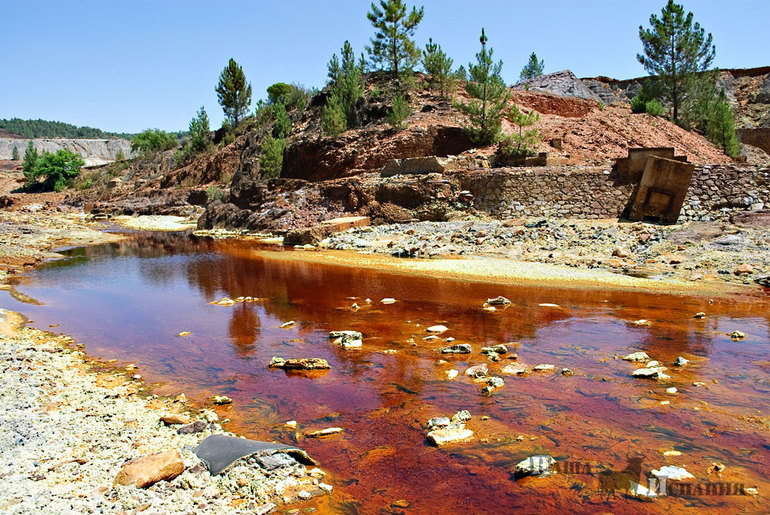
575 132
94 151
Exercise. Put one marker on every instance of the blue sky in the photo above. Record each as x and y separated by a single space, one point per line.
130 65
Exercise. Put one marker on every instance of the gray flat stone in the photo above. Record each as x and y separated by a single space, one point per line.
218 452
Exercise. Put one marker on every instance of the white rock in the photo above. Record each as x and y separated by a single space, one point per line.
437 329
637 356
673 473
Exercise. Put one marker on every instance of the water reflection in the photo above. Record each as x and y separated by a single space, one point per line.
129 300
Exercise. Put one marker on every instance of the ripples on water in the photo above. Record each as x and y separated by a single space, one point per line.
129 300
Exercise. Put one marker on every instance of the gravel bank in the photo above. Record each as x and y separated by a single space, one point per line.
715 252
66 431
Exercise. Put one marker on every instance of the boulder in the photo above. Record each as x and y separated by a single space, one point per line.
459 348
450 434
563 83
148 470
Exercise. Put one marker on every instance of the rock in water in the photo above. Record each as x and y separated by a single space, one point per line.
498 301
148 470
515 369
737 336
680 361
477 371
450 434
219 400
763 281
346 339
673 473
637 356
460 348
498 349
437 329
299 363
650 373
538 465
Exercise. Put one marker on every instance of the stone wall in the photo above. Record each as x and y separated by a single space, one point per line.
591 193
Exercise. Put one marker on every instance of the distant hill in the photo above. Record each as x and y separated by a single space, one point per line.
48 129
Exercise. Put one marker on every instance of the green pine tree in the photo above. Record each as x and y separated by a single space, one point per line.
392 47
30 162
721 126
333 122
489 96
398 112
200 132
675 50
439 67
533 68
271 157
233 92
15 154
347 81
282 125
524 142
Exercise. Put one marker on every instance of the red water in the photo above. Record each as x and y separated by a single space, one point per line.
129 301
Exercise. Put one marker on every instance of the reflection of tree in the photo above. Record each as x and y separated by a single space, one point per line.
243 328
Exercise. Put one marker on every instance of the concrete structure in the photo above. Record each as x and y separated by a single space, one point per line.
662 190
630 169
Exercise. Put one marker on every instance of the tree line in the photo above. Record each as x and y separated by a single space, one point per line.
32 129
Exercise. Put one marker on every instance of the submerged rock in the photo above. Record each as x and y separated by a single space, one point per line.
538 465
497 349
148 470
458 348
299 363
680 361
515 369
346 339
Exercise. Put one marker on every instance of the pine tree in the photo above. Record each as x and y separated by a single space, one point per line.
30 162
347 81
439 67
233 92
524 142
392 45
533 68
15 154
398 112
721 126
271 157
333 120
675 50
200 132
489 96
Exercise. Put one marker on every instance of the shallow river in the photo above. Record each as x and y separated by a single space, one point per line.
129 300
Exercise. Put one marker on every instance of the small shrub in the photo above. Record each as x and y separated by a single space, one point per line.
601 106
15 154
523 143
120 155
654 107
638 104
214 193
398 112
271 157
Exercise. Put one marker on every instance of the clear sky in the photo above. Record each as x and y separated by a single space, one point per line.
125 66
